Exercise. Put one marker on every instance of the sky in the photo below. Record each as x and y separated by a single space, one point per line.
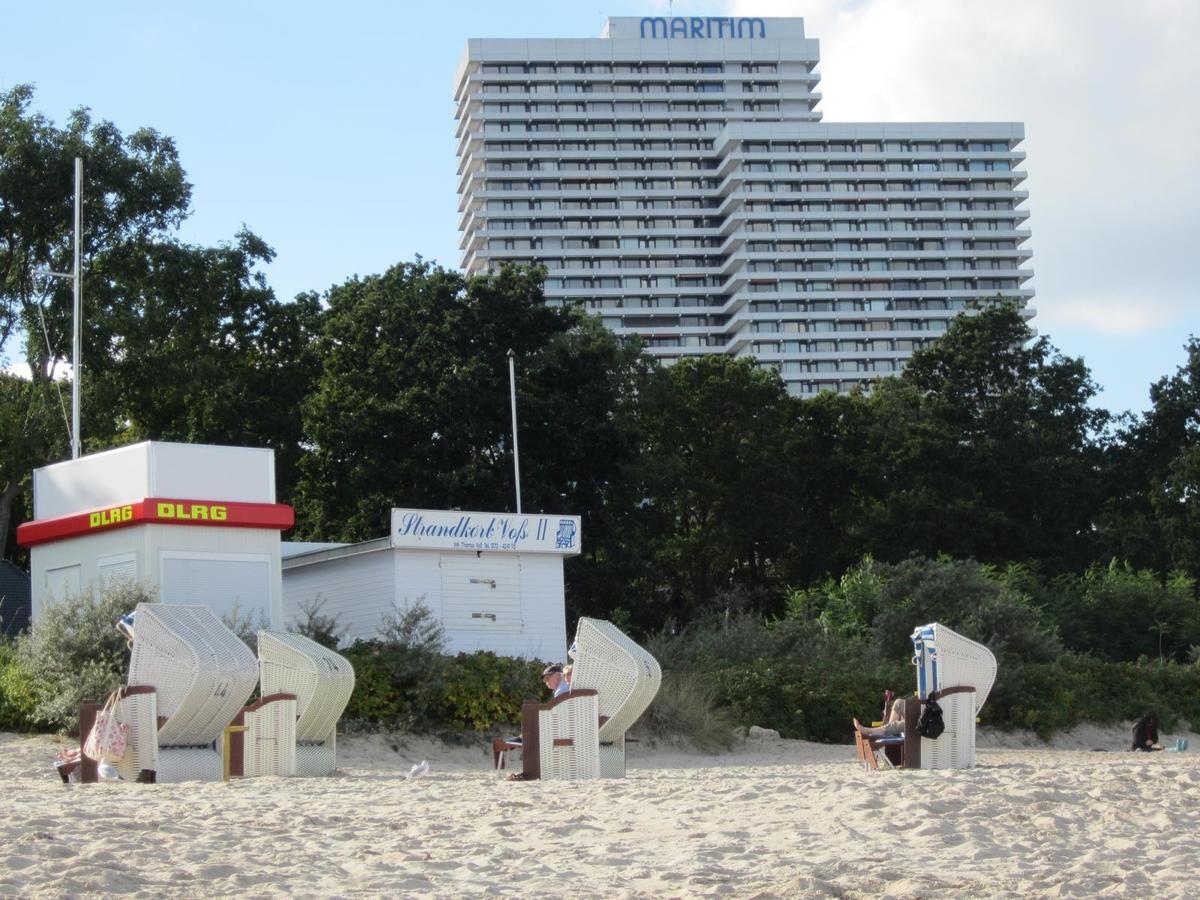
328 130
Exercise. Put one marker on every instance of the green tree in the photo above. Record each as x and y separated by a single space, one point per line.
714 491
984 447
191 345
134 189
412 405
839 455
31 432
1153 473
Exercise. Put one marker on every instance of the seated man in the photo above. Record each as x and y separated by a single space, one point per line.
556 680
558 684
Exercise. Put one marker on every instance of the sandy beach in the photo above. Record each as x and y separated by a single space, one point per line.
773 819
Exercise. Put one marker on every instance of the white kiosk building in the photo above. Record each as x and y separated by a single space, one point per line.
493 580
198 521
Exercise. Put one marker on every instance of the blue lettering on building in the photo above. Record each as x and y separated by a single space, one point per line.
702 27
512 531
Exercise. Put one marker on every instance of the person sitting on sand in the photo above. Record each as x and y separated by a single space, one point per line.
893 726
1145 733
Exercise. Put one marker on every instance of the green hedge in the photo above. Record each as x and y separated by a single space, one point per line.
409 689
1074 689
801 700
811 697
17 699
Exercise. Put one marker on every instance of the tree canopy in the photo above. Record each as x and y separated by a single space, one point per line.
705 488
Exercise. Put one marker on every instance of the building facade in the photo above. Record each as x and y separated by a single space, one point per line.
675 178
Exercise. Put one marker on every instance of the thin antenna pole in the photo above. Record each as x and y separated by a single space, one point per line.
512 388
77 349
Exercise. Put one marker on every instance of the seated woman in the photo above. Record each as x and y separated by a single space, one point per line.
894 726
1145 733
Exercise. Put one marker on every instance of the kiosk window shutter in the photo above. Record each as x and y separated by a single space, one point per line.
63 582
220 584
116 569
481 593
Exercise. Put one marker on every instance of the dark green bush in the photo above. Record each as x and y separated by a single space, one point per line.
405 681
1118 613
395 687
807 677
399 679
885 602
1074 689
412 689
483 690
17 700
816 703
75 653
801 700
313 624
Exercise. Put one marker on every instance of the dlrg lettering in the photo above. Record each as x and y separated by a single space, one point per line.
113 516
192 512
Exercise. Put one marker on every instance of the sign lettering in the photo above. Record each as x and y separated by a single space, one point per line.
702 27
191 512
112 516
448 530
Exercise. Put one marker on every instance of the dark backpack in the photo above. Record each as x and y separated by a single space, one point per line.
931 724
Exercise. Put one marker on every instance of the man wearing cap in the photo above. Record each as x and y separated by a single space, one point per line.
552 677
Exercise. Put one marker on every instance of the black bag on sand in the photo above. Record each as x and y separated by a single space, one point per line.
931 724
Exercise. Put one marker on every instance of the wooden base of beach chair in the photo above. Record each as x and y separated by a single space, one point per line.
868 748
559 739
500 748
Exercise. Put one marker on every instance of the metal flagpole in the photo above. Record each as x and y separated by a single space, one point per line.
512 386
77 349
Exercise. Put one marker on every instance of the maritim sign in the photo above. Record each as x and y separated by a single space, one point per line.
702 27
429 529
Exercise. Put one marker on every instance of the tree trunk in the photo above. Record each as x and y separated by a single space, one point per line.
7 497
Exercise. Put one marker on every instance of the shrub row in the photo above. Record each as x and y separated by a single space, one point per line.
816 704
398 688
17 700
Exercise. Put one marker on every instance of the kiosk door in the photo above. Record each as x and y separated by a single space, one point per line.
481 593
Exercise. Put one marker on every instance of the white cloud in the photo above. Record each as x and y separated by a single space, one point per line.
1109 314
1106 92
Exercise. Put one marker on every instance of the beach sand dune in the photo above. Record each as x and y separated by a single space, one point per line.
777 819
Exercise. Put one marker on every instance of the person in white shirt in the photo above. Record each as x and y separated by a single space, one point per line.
555 680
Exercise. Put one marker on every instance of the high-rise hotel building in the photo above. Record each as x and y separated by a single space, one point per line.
675 178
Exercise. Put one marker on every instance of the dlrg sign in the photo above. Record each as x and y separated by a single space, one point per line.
191 511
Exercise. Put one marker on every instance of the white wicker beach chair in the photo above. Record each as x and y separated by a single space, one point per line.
201 675
626 679
268 745
569 737
322 682
959 674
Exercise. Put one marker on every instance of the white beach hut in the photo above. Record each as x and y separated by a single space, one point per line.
493 580
198 521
